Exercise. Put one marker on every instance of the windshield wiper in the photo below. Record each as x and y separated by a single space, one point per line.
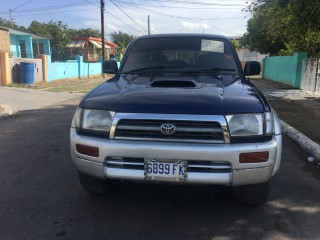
208 70
159 67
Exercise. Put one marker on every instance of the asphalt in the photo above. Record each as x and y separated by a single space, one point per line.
298 110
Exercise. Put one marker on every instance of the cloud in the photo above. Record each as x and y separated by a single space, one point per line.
194 26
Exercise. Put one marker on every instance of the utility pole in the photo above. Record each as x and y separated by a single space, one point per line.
10 19
148 24
102 28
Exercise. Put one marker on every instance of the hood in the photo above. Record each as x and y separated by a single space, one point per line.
200 95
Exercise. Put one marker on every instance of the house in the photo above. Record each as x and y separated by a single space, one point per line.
245 54
90 48
22 44
4 40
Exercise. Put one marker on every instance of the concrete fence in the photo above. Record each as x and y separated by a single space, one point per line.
284 69
72 69
46 70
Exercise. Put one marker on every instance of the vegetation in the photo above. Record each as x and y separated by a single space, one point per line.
283 27
122 40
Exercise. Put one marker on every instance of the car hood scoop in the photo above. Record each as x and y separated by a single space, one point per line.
174 83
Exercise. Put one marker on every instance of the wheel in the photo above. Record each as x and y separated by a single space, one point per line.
92 185
255 194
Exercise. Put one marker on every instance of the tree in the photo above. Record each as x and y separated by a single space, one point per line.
121 39
85 32
58 33
284 26
11 24
235 43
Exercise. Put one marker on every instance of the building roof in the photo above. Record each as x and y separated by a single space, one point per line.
16 32
111 44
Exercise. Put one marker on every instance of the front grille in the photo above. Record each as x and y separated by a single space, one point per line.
192 166
186 130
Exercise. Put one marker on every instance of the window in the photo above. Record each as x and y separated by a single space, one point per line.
37 49
23 51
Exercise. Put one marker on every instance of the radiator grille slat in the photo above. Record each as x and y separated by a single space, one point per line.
185 131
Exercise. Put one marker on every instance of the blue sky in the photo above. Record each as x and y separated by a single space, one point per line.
224 17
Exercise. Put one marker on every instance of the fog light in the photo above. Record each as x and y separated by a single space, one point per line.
254 157
87 150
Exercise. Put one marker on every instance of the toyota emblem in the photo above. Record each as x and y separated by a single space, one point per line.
168 128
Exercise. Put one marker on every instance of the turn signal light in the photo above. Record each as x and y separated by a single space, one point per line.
254 157
87 150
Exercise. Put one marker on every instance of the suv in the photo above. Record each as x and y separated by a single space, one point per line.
178 110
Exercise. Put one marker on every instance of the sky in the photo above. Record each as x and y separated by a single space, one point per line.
223 17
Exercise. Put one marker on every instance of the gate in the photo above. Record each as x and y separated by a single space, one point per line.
15 69
310 79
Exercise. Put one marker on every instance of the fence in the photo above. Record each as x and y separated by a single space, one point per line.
284 69
310 77
14 65
72 69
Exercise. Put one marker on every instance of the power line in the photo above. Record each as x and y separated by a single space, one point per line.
191 19
199 3
106 11
128 15
36 14
123 21
52 7
22 5
180 7
92 3
173 16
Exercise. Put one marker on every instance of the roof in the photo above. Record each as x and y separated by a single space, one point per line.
76 44
16 32
111 44
4 29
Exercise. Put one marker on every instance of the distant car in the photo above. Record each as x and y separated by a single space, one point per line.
179 110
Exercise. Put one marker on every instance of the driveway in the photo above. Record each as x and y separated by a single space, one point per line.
41 197
20 99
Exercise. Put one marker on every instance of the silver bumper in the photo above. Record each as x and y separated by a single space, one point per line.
239 174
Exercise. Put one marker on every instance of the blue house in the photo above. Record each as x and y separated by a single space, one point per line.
27 45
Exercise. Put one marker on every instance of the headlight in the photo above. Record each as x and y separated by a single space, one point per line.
96 120
245 124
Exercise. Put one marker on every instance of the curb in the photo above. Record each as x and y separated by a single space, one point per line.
302 140
5 111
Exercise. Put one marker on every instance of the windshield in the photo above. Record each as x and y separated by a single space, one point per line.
180 54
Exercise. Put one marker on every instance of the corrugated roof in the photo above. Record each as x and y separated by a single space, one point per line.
16 32
98 44
76 44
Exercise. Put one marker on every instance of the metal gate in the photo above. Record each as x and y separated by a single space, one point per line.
15 69
310 79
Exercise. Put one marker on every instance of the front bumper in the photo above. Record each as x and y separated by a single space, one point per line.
239 174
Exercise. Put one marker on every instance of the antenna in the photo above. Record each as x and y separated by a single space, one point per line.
11 10
148 24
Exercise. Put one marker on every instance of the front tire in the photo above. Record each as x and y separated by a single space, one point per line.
255 194
92 185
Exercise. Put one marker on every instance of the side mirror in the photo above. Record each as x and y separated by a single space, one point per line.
252 68
110 66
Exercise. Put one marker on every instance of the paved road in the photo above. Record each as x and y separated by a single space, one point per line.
41 197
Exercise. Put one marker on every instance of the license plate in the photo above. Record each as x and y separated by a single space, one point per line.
165 170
